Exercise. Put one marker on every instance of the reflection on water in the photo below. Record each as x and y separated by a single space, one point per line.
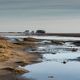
64 65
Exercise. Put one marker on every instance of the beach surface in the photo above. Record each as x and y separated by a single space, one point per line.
12 57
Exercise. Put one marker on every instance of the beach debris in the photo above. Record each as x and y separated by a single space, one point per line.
74 49
65 61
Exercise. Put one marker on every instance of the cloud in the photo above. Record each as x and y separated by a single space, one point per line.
39 4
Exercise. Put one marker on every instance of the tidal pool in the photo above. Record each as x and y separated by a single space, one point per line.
53 68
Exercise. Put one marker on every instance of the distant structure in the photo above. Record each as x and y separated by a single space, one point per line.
32 32
26 32
39 32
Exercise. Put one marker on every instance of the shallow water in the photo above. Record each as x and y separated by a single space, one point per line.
63 65
47 37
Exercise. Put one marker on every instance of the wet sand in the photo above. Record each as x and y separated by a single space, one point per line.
7 75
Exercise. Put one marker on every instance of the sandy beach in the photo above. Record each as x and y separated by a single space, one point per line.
11 57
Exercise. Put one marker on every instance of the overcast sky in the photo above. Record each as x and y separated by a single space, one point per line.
52 15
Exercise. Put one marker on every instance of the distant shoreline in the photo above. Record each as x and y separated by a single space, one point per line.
63 34
39 34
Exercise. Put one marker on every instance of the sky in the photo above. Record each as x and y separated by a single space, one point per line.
57 16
